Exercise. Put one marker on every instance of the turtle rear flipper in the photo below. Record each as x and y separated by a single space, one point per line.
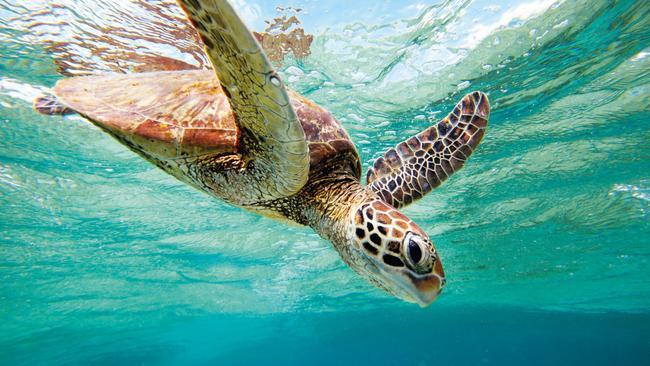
274 149
50 105
421 163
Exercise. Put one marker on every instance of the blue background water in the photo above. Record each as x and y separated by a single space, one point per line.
545 235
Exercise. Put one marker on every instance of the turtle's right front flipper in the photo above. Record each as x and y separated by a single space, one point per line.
416 166
273 142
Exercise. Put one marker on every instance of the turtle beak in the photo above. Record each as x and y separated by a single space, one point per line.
425 288
408 286
418 289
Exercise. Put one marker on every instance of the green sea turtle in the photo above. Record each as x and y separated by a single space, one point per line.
245 138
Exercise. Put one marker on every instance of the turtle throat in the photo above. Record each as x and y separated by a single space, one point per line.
328 207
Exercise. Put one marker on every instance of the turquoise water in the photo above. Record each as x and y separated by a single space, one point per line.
545 234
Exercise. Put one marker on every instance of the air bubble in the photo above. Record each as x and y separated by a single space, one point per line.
464 85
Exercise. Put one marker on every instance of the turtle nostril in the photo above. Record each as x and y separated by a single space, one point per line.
443 282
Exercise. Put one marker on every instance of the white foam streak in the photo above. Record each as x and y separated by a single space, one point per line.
18 90
509 18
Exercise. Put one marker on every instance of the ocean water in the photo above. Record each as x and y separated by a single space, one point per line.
545 234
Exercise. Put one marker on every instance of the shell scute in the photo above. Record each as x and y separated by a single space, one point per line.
327 139
158 131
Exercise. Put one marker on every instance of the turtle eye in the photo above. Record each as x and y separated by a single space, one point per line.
416 253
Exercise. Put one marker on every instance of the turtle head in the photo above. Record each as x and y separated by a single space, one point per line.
395 254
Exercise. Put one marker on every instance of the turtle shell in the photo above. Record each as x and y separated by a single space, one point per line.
330 147
175 114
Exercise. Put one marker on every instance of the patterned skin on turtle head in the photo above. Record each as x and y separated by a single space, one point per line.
400 258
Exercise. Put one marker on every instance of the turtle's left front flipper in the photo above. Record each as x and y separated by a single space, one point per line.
274 151
421 163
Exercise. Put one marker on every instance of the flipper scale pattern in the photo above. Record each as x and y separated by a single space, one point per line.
421 163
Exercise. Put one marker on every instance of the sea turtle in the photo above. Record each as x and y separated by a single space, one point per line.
245 138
